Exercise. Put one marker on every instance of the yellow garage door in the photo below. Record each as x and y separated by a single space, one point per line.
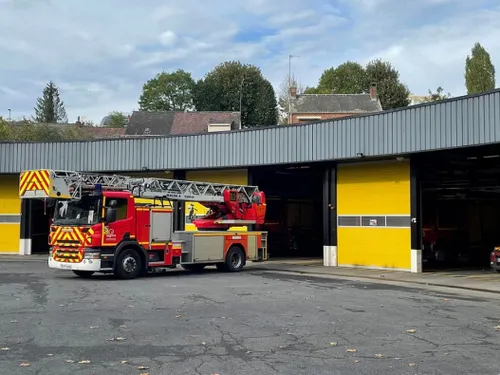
226 176
373 207
10 214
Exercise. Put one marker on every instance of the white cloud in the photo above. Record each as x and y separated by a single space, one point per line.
168 38
101 52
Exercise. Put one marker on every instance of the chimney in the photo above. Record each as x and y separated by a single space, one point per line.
293 92
373 91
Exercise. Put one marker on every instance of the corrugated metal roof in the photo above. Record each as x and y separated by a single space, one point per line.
458 122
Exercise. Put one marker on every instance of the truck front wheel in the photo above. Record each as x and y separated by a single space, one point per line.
128 264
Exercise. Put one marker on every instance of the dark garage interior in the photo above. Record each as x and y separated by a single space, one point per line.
38 221
460 207
293 216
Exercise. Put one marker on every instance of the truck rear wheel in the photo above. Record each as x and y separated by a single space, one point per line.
84 274
128 264
235 259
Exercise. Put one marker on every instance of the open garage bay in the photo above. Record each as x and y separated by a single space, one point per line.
460 207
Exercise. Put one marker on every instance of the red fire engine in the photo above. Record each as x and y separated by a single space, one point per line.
125 225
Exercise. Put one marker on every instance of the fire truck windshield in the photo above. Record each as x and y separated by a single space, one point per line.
85 211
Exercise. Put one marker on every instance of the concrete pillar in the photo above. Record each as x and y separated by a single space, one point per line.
416 217
330 216
26 228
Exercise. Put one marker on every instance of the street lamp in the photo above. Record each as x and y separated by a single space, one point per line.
10 117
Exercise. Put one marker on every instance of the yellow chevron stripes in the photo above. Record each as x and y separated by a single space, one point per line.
70 236
38 180
66 255
68 243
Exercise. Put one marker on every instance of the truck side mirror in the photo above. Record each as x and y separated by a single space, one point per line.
110 214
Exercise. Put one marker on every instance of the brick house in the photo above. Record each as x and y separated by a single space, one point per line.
143 123
316 107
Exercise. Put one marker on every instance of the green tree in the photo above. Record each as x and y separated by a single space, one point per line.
50 108
116 120
266 104
436 96
29 131
479 71
5 131
168 92
347 78
391 92
230 84
25 131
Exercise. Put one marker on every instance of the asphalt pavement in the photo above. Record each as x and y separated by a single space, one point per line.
253 322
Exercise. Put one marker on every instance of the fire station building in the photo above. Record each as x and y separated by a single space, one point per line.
403 189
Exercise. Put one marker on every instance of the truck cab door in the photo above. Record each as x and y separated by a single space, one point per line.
118 220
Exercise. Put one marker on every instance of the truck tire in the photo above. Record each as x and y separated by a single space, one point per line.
128 264
193 267
235 259
84 274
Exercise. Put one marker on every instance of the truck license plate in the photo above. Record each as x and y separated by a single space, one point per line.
66 266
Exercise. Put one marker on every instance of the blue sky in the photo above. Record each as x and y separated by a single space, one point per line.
100 52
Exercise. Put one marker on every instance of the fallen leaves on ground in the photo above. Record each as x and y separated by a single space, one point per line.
124 362
142 367
497 328
70 361
379 355
412 364
94 327
25 365
351 350
50 354
14 321
84 362
5 349
178 316
411 330
333 343
116 339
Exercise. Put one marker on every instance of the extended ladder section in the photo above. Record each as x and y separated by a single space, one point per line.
47 183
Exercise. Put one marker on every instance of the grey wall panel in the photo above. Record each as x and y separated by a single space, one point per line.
458 122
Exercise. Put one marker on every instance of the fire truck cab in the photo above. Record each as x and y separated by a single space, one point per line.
125 226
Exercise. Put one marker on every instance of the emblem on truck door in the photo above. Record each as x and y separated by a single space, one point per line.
110 233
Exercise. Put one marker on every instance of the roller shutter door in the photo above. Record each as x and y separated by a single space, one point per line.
373 203
10 214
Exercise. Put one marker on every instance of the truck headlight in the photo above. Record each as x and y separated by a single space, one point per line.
92 255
